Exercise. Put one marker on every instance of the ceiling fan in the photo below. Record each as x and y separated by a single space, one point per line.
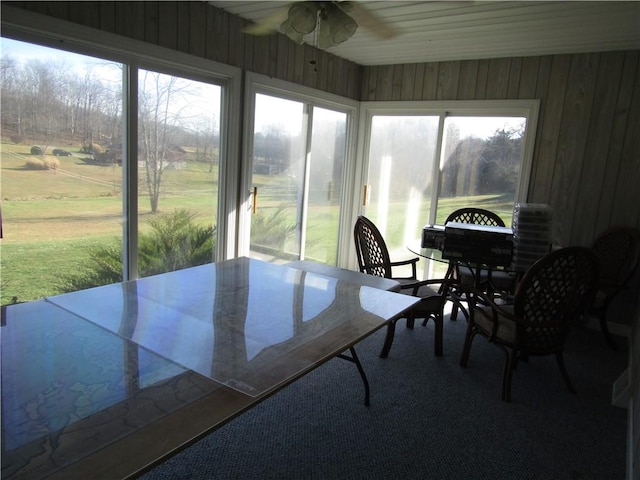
330 22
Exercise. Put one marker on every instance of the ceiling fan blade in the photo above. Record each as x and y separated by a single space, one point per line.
367 20
270 24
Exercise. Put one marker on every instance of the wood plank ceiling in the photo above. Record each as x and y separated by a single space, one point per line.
460 30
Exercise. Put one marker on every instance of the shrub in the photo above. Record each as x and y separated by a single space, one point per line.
272 230
35 164
51 163
17 139
45 163
91 148
174 242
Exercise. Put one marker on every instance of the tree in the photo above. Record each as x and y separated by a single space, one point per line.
159 121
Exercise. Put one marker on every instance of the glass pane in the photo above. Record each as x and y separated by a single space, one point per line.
401 160
481 163
178 160
325 185
278 175
61 171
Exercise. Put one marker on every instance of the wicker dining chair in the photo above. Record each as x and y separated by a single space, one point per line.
374 259
500 280
551 298
618 250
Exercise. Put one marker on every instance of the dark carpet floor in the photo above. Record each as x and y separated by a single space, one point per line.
429 418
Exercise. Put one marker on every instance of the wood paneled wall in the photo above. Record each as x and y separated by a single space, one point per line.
587 153
204 31
587 150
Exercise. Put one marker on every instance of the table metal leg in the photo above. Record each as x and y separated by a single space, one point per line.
354 358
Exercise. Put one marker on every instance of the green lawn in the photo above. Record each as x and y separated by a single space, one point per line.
52 217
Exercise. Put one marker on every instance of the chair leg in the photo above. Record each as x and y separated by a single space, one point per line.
507 374
466 349
605 330
388 339
411 320
563 370
454 313
437 347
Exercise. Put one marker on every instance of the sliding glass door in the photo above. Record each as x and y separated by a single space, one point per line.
402 155
425 161
297 165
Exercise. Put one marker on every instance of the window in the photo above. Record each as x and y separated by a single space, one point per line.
100 185
425 160
61 176
298 157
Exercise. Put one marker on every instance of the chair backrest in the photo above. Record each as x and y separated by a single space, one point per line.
371 249
476 216
618 250
552 296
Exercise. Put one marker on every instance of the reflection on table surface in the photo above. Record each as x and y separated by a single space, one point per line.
108 369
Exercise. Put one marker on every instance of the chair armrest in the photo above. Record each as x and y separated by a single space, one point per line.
412 261
415 286
496 309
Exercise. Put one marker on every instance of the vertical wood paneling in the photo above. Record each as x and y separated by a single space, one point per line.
384 83
430 82
498 78
482 78
282 67
407 81
418 84
396 82
310 74
596 160
627 85
273 56
237 40
260 63
448 77
528 77
550 126
468 79
130 19
197 29
291 62
107 12
183 20
370 84
568 175
298 66
168 25
150 22
220 31
86 13
515 72
626 192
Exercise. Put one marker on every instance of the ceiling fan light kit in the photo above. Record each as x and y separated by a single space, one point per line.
331 24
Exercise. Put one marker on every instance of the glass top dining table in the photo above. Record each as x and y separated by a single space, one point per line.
110 381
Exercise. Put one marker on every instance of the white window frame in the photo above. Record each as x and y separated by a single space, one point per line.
255 84
442 109
30 27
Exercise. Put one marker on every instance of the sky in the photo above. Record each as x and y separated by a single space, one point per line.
204 99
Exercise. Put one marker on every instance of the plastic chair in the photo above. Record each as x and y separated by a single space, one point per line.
551 297
373 259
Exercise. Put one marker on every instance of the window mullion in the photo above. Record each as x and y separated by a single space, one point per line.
130 173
